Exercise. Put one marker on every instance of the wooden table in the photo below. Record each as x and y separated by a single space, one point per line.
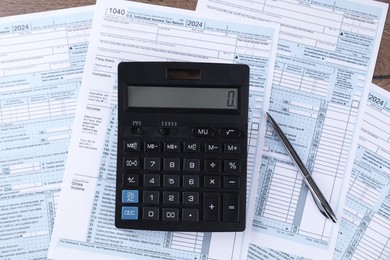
14 7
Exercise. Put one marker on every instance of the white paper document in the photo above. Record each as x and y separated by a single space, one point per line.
326 56
128 31
41 63
365 226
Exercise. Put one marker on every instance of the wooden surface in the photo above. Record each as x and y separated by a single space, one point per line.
14 7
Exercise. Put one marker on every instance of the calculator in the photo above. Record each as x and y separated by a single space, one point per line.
182 146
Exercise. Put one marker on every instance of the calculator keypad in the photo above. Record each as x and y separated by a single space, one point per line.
197 180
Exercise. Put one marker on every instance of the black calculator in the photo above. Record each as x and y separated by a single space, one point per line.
182 146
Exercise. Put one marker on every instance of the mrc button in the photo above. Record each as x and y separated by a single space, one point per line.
202 131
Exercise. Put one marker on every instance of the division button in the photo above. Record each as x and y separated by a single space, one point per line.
212 165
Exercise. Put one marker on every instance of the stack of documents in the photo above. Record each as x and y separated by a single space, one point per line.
311 67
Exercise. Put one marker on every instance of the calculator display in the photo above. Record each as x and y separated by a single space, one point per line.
183 97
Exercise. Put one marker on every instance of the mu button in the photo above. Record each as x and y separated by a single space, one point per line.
202 131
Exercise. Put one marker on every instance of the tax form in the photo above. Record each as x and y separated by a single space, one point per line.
128 31
325 58
41 63
365 226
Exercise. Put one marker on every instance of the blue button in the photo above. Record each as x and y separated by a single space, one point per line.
129 213
130 196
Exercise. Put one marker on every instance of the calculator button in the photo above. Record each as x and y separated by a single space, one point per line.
171 197
230 207
129 196
164 131
151 213
150 197
131 180
131 163
211 207
190 198
169 214
137 131
212 165
212 148
152 146
192 165
202 131
173 147
190 181
152 180
231 182
229 132
152 164
171 164
191 147
129 213
132 146
231 166
211 182
190 215
171 181
231 148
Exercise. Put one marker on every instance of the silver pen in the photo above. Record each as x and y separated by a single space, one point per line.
316 193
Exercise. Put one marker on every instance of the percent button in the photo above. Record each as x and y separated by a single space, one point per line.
231 166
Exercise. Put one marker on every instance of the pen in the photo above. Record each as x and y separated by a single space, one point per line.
316 193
